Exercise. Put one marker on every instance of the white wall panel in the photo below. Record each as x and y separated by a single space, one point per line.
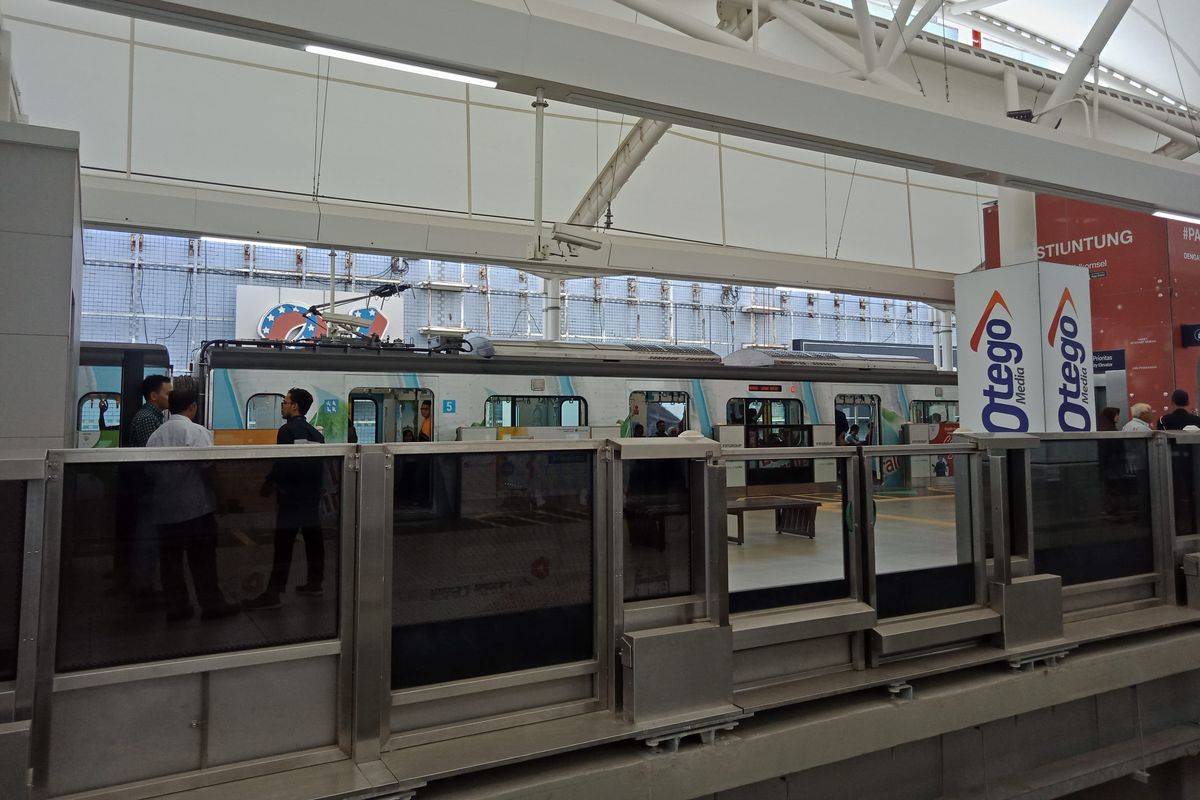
501 162
676 192
948 230
773 205
224 47
68 16
78 82
388 147
210 120
875 215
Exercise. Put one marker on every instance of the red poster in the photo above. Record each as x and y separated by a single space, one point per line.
1126 254
1183 245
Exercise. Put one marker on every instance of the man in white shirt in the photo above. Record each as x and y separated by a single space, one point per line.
184 506
1140 417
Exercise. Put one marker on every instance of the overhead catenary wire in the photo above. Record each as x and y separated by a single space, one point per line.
1178 76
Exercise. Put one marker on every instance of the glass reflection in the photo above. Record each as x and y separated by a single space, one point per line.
492 564
1103 530
658 528
159 557
924 548
1186 483
12 539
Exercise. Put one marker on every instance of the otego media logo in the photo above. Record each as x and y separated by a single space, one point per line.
1074 413
1005 388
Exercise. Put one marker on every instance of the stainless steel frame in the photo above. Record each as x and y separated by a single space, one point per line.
466 692
47 683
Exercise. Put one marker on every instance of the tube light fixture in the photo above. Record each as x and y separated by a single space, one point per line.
221 240
1177 217
399 66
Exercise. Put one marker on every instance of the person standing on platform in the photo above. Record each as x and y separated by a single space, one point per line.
297 487
1180 418
1108 419
184 508
156 391
1140 417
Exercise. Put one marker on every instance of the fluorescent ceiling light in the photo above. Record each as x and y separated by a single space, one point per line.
1056 48
1134 84
1151 92
399 65
1177 217
220 240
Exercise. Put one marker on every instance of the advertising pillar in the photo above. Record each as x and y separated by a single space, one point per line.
1026 364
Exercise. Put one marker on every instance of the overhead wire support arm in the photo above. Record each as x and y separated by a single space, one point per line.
1093 44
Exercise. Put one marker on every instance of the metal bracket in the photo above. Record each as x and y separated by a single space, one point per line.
1030 662
901 692
670 741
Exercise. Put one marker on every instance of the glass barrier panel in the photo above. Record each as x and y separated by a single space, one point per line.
12 548
1091 509
794 546
1186 484
492 564
658 528
924 546
165 560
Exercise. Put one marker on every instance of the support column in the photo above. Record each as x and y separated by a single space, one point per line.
552 313
1089 51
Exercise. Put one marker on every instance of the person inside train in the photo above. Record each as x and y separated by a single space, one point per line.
407 435
1141 415
841 427
1107 421
853 436
639 431
1180 418
156 390
185 512
296 483
425 432
673 432
660 429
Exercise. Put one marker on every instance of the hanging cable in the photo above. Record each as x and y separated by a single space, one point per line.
945 53
1178 76
846 209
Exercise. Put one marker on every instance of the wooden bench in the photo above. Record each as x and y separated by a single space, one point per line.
796 516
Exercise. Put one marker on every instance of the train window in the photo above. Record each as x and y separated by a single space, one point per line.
262 411
98 411
392 415
861 410
535 412
364 417
933 411
650 408
764 411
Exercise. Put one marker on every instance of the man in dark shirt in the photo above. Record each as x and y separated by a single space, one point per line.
1180 418
153 413
297 486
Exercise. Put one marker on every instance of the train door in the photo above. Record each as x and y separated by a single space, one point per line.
863 411
392 415
659 413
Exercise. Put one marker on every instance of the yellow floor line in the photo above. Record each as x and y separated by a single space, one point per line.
902 518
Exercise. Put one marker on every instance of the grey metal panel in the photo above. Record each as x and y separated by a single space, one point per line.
372 568
1088 596
930 630
14 759
33 263
1031 608
271 709
454 710
150 729
792 659
661 678
31 598
43 362
912 771
38 182
23 467
805 622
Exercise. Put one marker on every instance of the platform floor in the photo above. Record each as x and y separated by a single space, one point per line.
914 529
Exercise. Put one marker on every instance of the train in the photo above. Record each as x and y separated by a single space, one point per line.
373 393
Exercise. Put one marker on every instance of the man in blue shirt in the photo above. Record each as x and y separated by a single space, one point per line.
153 413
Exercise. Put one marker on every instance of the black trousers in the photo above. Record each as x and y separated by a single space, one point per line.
197 540
290 521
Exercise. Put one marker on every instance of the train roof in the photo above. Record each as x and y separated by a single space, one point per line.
606 362
106 354
764 357
606 352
